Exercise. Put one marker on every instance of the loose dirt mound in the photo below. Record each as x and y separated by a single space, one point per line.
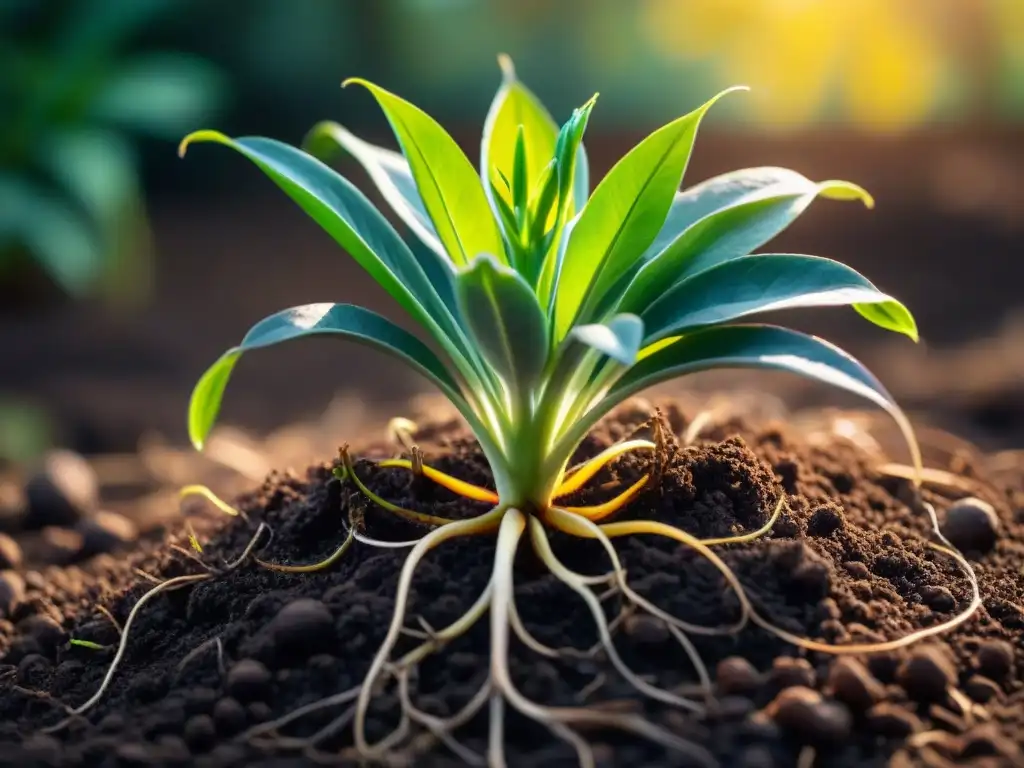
846 561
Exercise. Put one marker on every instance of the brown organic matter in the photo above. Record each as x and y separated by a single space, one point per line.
847 561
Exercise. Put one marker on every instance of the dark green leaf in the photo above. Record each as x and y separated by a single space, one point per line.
344 320
765 283
745 224
503 315
389 171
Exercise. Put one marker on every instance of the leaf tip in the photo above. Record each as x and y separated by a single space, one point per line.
356 81
846 190
201 135
508 69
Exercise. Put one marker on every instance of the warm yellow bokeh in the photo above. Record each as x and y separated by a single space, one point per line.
881 63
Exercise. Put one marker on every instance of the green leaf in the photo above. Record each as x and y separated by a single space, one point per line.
747 222
161 94
572 161
622 217
766 283
344 320
345 213
746 346
389 171
520 176
503 315
891 315
620 338
449 186
514 105
54 233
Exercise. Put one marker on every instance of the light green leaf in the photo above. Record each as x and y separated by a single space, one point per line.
622 217
344 320
449 186
747 222
620 338
746 346
765 283
389 171
162 94
54 233
514 105
504 317
891 315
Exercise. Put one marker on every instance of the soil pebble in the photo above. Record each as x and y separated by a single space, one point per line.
646 630
852 683
810 718
46 632
981 689
248 680
938 598
60 546
787 672
12 592
302 627
995 659
971 525
926 674
736 675
200 732
61 491
10 553
825 520
987 741
105 532
229 716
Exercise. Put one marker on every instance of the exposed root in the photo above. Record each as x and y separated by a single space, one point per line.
453 484
578 476
327 562
609 508
408 514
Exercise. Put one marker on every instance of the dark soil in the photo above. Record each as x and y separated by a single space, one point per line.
846 561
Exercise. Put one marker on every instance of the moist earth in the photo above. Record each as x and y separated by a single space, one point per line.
846 561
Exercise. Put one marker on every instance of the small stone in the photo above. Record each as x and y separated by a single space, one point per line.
646 630
892 721
788 671
32 670
735 675
852 684
41 749
938 598
809 718
825 521
105 532
172 750
982 690
10 553
61 546
133 754
61 491
12 592
200 732
229 716
112 723
926 674
44 630
259 712
732 707
812 578
304 626
200 700
971 525
247 680
995 659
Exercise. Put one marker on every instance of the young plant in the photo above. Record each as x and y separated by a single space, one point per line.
548 305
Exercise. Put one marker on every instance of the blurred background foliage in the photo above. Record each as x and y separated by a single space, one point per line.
95 94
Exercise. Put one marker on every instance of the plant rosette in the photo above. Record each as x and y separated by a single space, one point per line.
548 304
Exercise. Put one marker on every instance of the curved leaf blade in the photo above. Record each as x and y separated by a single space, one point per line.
623 217
350 218
448 184
766 283
620 338
388 170
726 233
344 320
749 346
503 315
